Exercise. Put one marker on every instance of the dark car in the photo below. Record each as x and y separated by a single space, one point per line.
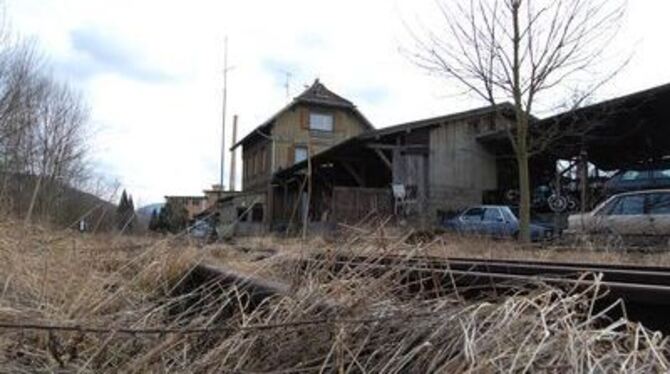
495 221
638 179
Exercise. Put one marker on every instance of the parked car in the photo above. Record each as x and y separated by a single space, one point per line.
638 179
641 214
496 221
202 229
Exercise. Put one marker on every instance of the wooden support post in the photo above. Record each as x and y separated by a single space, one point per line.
583 169
231 183
385 159
305 218
284 201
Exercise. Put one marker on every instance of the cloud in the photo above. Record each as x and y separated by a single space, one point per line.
278 69
165 138
372 95
310 40
97 52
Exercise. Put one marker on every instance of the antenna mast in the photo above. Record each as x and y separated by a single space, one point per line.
223 119
287 84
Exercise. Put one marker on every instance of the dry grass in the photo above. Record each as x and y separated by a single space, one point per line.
345 322
379 239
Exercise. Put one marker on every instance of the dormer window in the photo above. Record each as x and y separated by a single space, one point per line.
320 121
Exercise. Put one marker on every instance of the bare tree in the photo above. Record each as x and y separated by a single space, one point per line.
44 130
523 51
56 140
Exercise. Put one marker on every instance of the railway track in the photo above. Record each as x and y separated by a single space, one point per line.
645 291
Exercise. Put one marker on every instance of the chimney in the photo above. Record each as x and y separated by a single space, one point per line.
232 157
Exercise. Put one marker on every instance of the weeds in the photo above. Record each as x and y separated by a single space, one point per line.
92 305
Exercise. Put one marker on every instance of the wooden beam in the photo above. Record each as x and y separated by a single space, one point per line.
353 173
384 159
391 147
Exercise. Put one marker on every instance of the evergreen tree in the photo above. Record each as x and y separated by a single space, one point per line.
154 222
171 219
125 213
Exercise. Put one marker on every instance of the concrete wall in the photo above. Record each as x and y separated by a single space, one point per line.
460 168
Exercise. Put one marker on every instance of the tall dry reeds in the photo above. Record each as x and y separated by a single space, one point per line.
89 304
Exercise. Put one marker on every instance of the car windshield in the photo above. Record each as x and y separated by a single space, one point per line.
638 175
660 174
633 175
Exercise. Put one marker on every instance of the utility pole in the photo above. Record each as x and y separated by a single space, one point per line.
223 119
287 85
231 183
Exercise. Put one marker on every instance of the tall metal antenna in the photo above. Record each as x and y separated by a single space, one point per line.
287 85
223 119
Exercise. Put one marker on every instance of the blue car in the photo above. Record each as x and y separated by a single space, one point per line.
495 221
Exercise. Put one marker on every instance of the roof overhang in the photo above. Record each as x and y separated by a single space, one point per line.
617 133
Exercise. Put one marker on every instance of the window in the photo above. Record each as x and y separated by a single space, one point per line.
473 126
321 122
300 154
659 203
660 174
632 175
609 207
629 205
473 215
492 215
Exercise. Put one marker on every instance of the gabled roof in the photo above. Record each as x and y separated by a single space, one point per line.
505 108
316 94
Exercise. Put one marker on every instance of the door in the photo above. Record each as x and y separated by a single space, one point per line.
493 222
658 213
471 220
627 217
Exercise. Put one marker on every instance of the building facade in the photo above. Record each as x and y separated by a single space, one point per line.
313 122
418 171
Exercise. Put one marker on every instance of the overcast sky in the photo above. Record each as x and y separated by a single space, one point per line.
152 71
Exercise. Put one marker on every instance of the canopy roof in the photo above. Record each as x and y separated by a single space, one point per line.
617 133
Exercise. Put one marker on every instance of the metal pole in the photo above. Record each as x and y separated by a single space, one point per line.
223 119
231 182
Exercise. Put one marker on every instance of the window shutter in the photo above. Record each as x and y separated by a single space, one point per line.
290 156
304 118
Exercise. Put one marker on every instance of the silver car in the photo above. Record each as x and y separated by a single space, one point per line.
641 214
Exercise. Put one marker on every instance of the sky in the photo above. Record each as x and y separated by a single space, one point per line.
151 71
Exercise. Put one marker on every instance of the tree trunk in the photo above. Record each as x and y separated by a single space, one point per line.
33 200
524 197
